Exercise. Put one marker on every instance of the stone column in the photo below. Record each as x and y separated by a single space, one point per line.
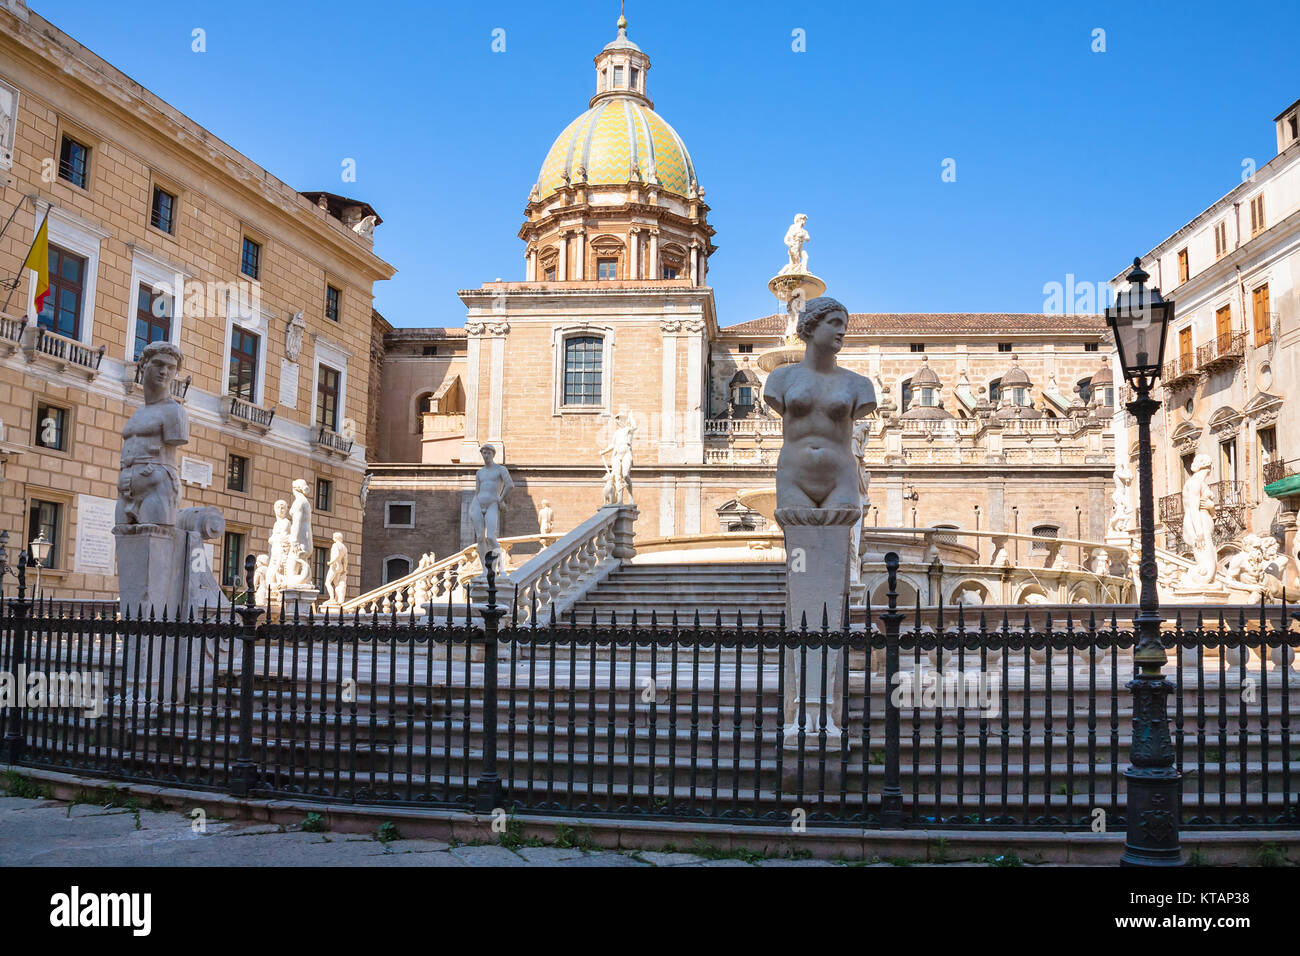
579 255
530 273
695 264
473 353
634 253
653 265
817 582
562 272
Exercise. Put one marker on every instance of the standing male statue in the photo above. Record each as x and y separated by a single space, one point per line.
148 486
492 486
620 463
336 578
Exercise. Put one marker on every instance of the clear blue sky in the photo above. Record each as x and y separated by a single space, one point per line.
1067 161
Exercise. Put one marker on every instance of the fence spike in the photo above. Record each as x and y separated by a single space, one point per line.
717 621
760 618
803 621
826 618
514 608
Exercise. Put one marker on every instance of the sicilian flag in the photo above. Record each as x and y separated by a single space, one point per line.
38 260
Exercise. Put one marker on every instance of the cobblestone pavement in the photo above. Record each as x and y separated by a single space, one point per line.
39 832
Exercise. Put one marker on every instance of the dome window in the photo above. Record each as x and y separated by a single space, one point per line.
549 274
618 77
671 272
607 268
636 77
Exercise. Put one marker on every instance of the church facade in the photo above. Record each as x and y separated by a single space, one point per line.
986 421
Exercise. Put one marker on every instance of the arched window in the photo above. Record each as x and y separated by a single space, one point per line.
582 369
396 567
1085 390
907 395
995 391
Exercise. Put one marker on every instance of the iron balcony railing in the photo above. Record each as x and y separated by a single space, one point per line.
1176 371
1223 348
334 441
11 329
67 350
248 412
948 720
1277 470
179 388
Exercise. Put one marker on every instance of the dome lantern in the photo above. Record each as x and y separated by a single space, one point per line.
621 69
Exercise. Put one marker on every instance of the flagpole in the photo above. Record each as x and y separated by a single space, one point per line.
17 206
19 276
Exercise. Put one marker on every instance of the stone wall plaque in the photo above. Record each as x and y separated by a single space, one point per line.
288 384
196 471
95 546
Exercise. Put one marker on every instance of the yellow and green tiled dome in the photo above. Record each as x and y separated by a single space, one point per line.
606 140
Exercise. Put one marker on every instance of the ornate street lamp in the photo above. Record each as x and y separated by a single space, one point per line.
38 549
1139 321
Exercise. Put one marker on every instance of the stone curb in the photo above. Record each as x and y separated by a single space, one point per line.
1217 847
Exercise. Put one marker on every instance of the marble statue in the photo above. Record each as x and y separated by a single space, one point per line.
620 463
365 489
161 557
795 238
293 333
818 402
492 486
366 227
608 484
1198 522
1246 568
300 539
1099 561
261 582
336 578
1121 515
545 517
149 486
277 544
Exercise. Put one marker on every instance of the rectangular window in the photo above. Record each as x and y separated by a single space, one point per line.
747 348
618 77
324 494
636 75
243 364
583 356
237 473
47 517
1187 467
232 559
399 514
1184 270
1263 320
250 262
1221 239
1228 460
332 303
320 565
74 162
1267 438
52 427
429 351
153 318
1091 346
62 312
327 398
917 346
162 213
1004 346
606 268
1257 215
671 272
549 274
1223 328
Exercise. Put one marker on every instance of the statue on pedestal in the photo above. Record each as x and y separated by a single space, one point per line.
336 578
620 464
1121 516
300 539
277 545
149 485
795 237
492 485
545 517
1198 522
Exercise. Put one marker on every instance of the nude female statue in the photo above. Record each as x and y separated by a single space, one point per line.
492 485
818 402
795 237
1198 520
148 486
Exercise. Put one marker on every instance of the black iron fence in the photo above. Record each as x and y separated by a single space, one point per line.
953 719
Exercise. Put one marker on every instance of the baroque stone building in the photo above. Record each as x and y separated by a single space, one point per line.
159 230
996 422
1233 355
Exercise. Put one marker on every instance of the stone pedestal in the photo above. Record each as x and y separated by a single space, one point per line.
817 584
299 601
147 563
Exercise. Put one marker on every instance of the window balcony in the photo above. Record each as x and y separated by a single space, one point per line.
11 334
247 415
1181 371
42 345
333 443
1282 478
180 388
1223 350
